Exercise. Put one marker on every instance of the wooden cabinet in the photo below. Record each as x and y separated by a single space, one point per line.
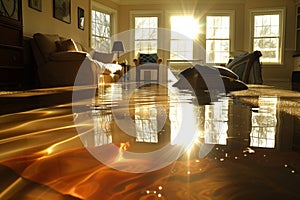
11 45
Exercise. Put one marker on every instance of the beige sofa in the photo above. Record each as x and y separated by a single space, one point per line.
59 60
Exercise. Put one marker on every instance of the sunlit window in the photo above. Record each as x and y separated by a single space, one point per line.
217 39
183 30
101 31
267 35
146 34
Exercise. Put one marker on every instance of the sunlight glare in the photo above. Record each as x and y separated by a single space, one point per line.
185 25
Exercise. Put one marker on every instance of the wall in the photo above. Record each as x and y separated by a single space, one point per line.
35 21
242 9
276 73
44 22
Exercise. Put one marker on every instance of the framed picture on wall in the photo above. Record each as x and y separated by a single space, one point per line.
35 4
80 18
62 10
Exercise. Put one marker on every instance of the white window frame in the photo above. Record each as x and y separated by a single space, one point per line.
231 14
134 14
282 18
113 16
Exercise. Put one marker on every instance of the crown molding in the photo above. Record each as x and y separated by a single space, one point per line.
139 2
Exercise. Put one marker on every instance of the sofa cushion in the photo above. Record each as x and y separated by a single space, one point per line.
64 56
66 45
103 57
46 43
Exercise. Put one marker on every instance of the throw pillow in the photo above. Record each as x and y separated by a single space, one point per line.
66 45
147 58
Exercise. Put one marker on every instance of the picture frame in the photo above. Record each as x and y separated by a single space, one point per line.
80 14
35 4
62 10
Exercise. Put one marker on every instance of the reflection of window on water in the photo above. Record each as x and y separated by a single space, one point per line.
146 123
264 123
102 128
216 123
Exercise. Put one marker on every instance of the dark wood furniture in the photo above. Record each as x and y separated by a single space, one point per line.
11 46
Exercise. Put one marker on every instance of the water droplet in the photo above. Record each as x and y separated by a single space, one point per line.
154 191
285 165
160 187
236 157
197 160
188 172
148 191
226 155
159 195
245 155
221 159
293 171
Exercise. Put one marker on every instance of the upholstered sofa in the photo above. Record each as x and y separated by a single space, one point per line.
59 60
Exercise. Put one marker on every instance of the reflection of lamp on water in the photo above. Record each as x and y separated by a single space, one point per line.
118 47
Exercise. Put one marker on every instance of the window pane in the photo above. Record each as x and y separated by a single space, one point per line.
267 37
217 27
217 39
101 32
183 31
217 51
146 34
266 25
269 48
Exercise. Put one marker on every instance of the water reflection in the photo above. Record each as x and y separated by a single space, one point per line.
264 123
223 122
146 123
216 122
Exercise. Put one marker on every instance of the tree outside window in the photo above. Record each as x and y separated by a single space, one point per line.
101 31
267 36
146 34
217 39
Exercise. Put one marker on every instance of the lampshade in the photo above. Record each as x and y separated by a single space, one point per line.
118 47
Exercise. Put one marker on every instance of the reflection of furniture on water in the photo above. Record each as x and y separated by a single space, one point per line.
126 73
144 73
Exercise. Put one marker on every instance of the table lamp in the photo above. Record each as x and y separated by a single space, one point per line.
118 47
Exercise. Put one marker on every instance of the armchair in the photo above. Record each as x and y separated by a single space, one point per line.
145 65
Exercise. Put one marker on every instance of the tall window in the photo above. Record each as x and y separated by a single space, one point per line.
183 31
217 39
101 31
267 35
146 34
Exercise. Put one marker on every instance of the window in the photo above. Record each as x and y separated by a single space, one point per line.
267 35
183 31
101 31
146 34
217 39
